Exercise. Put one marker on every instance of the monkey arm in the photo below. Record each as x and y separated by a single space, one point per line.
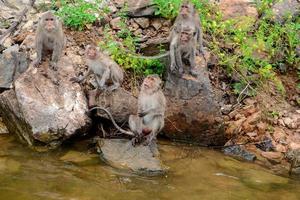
173 52
104 77
39 47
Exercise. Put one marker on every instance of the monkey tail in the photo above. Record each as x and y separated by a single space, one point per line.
152 57
113 121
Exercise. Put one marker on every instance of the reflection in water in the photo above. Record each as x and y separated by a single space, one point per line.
195 173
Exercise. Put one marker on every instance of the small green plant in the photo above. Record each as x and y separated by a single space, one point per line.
167 9
124 52
78 13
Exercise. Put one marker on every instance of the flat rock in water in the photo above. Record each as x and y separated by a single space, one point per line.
120 153
45 107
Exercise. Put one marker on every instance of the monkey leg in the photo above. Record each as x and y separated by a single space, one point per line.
153 148
93 95
135 125
113 87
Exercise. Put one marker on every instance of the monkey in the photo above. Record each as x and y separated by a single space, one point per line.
149 120
183 51
103 67
113 121
188 14
49 37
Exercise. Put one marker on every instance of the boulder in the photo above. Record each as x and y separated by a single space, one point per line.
283 9
137 8
12 64
45 107
193 113
120 103
120 153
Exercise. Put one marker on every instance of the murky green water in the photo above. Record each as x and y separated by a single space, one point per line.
195 173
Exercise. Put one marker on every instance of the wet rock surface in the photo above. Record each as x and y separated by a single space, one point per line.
45 108
239 152
193 113
120 153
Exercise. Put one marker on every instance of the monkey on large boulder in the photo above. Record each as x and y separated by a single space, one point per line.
49 37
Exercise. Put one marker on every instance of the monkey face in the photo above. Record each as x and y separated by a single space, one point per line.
50 22
151 83
185 10
91 52
185 36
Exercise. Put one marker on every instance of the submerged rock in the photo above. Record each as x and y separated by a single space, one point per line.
237 150
120 153
192 111
45 108
80 158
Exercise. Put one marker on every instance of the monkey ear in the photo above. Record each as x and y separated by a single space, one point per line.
98 48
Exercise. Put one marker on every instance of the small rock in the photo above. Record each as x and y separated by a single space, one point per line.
239 116
281 148
294 146
115 23
252 134
138 32
279 134
235 127
80 158
143 22
289 123
156 23
8 43
3 129
226 109
249 101
280 122
239 151
266 145
232 114
261 126
273 157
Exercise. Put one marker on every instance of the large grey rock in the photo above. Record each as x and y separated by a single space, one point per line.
284 8
120 103
40 111
12 64
120 153
193 113
137 8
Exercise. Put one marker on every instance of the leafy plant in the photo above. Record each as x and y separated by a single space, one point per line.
78 13
124 52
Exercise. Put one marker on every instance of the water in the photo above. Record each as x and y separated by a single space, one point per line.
195 173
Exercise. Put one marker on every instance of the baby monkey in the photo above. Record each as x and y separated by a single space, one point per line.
103 68
49 37
149 120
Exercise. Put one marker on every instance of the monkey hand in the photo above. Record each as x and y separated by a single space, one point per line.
75 80
36 63
53 66
142 114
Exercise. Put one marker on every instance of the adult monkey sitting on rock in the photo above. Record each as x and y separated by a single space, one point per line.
186 40
103 68
49 37
149 120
